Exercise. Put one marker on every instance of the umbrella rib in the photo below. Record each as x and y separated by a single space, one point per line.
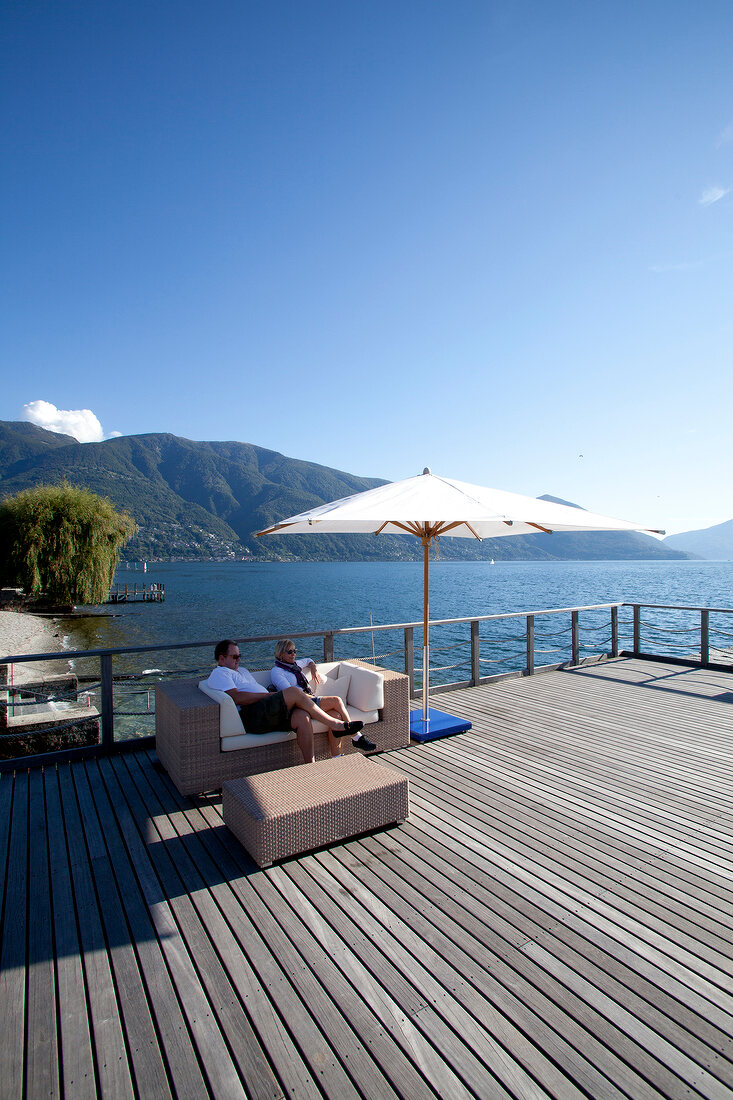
272 530
438 530
409 527
546 530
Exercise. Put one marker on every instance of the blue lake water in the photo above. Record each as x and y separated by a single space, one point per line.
205 601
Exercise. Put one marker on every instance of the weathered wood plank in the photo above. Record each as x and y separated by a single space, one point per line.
75 1041
13 957
113 1076
517 918
166 966
465 913
137 961
477 1025
42 1078
387 991
294 1041
205 931
322 1032
554 920
590 862
439 926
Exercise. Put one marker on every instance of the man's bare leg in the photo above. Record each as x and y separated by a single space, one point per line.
303 727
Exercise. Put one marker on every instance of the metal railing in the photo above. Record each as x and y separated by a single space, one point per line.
692 637
466 652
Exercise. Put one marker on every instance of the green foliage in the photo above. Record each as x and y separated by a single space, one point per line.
61 543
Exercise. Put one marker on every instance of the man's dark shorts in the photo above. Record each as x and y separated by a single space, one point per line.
268 714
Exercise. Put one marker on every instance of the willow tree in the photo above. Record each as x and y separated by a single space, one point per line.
61 543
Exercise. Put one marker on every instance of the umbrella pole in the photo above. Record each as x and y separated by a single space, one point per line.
425 638
438 724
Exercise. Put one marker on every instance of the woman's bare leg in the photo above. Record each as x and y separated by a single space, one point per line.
295 697
334 706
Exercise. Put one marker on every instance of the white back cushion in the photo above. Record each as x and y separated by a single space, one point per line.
366 690
338 687
230 724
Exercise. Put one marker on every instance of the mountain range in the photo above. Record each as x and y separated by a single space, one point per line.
199 500
714 543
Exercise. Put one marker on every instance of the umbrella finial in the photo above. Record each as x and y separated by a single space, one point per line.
427 470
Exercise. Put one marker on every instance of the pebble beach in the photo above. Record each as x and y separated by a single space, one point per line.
23 633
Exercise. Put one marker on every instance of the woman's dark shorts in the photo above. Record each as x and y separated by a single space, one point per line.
268 714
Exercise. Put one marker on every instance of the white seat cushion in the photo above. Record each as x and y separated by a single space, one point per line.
253 740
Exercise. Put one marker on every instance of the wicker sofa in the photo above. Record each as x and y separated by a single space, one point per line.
189 726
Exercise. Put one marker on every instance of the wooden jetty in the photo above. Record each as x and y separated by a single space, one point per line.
130 593
554 920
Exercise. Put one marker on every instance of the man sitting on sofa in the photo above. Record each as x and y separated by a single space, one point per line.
263 711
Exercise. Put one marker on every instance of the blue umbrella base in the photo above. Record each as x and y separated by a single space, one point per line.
438 724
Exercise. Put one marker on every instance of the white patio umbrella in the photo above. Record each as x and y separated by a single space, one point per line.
428 506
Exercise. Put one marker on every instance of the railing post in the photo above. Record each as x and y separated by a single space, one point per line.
410 659
575 636
614 632
530 645
704 636
327 648
637 629
4 697
108 704
475 654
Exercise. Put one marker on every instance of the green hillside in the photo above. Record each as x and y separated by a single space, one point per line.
204 500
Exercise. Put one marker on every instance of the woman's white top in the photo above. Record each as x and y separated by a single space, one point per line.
282 679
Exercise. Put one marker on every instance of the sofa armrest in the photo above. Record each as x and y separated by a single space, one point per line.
187 736
394 729
230 721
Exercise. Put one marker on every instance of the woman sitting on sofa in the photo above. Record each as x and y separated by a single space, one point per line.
289 672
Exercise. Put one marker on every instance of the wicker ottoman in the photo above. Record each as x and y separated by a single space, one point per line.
281 813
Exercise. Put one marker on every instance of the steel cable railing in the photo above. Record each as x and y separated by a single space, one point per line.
57 727
552 633
125 693
501 660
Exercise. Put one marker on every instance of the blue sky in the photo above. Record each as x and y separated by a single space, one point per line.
491 238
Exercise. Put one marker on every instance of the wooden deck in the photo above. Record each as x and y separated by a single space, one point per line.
555 919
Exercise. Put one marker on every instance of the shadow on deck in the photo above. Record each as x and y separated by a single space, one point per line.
554 919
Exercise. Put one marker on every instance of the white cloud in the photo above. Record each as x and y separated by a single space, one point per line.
725 136
712 194
82 424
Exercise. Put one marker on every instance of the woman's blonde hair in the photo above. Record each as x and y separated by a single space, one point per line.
281 646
